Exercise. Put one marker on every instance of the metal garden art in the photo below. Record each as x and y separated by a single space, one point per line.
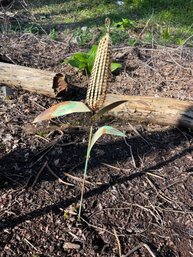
96 94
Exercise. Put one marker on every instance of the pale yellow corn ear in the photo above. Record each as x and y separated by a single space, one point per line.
100 74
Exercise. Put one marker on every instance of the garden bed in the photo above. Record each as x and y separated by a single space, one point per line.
138 192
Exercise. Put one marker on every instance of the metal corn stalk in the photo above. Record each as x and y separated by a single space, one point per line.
98 85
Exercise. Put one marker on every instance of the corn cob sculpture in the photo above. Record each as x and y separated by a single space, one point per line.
100 74
97 89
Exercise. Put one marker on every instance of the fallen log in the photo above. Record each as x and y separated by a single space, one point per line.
34 80
157 110
163 111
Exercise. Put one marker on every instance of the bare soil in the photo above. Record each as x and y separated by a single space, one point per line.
139 193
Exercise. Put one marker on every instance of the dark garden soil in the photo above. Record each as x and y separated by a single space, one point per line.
139 195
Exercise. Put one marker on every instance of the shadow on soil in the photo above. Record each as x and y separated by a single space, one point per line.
16 173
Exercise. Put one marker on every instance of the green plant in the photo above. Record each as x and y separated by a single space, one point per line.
85 61
148 37
53 34
33 29
96 94
119 36
180 41
133 42
166 34
82 36
124 24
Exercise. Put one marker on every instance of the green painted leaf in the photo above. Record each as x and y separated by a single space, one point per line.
108 108
62 109
115 66
105 130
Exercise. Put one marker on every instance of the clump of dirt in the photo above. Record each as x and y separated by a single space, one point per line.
138 198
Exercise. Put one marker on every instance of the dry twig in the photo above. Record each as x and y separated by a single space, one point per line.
138 247
118 242
39 173
59 179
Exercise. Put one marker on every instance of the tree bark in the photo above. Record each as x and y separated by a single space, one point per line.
142 109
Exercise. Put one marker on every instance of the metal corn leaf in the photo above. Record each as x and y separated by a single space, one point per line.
108 108
105 130
61 109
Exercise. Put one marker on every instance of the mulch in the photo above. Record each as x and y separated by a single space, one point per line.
138 198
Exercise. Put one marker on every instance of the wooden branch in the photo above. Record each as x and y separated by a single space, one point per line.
163 111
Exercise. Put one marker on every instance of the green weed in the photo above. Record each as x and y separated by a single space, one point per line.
166 35
82 36
119 36
124 24
85 61
133 42
148 37
33 29
53 34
